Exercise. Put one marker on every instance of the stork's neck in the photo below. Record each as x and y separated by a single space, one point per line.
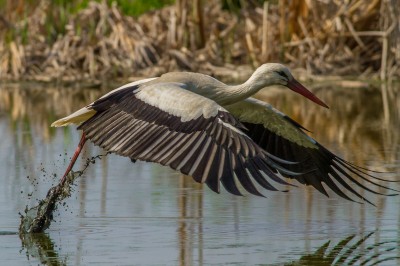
231 94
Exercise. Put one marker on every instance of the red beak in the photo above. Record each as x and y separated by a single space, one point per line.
296 86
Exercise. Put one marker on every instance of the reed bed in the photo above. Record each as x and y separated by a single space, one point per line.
330 37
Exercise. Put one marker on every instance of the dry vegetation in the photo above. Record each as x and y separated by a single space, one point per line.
330 37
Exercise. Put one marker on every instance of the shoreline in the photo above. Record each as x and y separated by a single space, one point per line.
238 77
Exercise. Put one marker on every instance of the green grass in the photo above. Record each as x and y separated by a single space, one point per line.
137 7
132 8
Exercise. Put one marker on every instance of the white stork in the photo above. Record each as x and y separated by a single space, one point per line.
216 133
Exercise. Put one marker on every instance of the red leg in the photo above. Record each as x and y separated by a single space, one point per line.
76 154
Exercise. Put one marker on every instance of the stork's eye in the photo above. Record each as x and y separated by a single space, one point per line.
282 73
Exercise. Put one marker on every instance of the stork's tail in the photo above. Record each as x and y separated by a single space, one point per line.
78 117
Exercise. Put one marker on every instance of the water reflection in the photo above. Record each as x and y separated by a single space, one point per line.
116 202
352 250
41 247
190 223
33 107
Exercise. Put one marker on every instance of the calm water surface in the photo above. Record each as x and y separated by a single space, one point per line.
145 214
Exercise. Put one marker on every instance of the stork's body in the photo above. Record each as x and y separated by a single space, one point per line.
215 132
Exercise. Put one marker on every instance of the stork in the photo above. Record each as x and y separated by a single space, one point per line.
217 134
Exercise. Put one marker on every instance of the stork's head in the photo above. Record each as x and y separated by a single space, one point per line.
278 74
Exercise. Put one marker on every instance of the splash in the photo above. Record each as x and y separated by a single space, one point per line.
38 218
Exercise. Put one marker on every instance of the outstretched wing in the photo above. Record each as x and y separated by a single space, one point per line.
284 138
166 124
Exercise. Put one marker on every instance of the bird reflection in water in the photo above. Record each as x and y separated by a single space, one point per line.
355 249
351 250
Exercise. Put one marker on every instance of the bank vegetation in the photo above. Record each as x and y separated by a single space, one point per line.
99 40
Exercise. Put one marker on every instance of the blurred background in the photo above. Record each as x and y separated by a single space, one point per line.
81 39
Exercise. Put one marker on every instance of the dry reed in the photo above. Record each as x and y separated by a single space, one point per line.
323 37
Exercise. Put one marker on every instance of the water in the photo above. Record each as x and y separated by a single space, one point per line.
145 214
